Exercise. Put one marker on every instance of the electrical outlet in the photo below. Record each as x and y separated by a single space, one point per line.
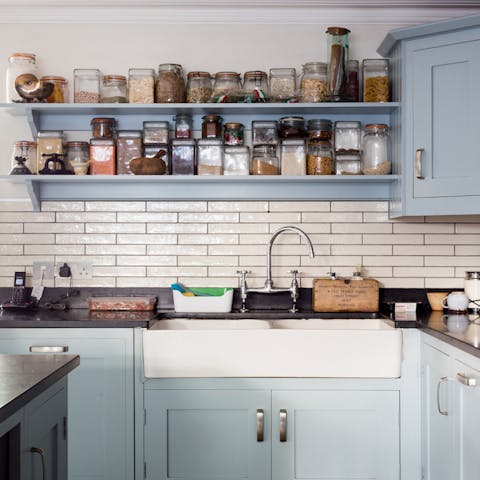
43 270
81 270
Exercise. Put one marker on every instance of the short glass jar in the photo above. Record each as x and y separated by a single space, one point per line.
314 82
212 126
155 132
86 85
129 146
170 84
319 158
375 80
375 150
183 125
264 132
293 157
353 87
319 129
103 127
348 137
199 87
236 161
265 160
225 84
28 151
59 94
209 157
102 156
48 142
182 157
283 84
114 89
234 133
141 85
18 64
348 164
255 86
78 157
292 127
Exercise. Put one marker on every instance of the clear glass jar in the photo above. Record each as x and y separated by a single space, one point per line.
114 89
314 84
375 80
86 85
155 132
129 146
292 127
348 137
265 160
319 158
348 164
212 126
103 127
283 84
18 64
102 156
319 129
150 151
78 157
170 85
234 133
337 58
225 84
236 161
375 150
141 85
264 132
182 157
353 87
183 125
255 85
209 157
28 151
199 87
48 142
293 157
59 94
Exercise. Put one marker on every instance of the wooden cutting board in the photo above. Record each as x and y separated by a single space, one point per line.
122 303
345 295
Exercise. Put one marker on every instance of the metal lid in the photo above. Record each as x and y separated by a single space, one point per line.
255 74
376 127
26 56
292 121
96 120
129 134
183 142
114 78
293 142
107 142
160 124
264 124
54 79
25 143
337 30
50 133
212 118
77 144
319 124
198 74
233 125
472 275
347 125
209 142
226 75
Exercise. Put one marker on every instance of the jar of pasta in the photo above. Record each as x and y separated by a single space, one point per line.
314 84
199 87
48 142
18 64
59 94
141 85
375 80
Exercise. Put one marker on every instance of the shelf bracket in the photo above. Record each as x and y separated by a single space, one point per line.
33 190
33 119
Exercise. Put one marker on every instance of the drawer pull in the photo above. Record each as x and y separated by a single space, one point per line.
48 348
464 379
418 163
439 407
40 452
283 425
260 424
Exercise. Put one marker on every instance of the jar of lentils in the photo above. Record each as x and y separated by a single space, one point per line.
86 85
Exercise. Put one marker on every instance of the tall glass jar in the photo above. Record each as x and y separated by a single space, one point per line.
114 89
209 157
236 161
353 87
255 85
86 85
102 156
170 85
225 84
314 85
375 150
18 64
48 142
182 157
27 150
141 85
129 146
319 158
337 55
375 80
293 158
78 157
59 94
283 84
265 160
199 87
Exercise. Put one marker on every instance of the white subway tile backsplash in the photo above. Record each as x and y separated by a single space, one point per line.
362 228
37 217
162 217
24 259
13 228
11 249
54 227
115 228
54 249
423 250
115 206
26 238
447 283
147 239
277 260
458 261
93 259
331 260
237 228
177 228
336 239
393 260
176 250
139 282
361 249
238 206
115 249
208 239
285 239
423 228
452 239
123 271
83 217
176 206
85 239
465 250
63 206
346 206
189 271
394 239
207 261
299 207
403 283
285 218
147 260
20 205
308 228
208 217
467 228
332 217
423 272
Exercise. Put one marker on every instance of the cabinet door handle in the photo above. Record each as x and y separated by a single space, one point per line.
439 407
466 380
418 163
283 425
260 424
41 452
48 348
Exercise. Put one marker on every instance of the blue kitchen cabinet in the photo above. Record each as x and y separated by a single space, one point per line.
100 396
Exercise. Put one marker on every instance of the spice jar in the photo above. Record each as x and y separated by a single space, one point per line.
170 85
48 142
209 157
129 146
182 157
283 84
18 64
102 156
292 127
319 158
347 137
353 81
236 161
264 132
141 85
59 94
337 54
86 85
150 151
28 151
375 80
319 129
265 160
225 84
348 164
375 150
212 126
155 132
292 157
103 127
199 87
78 157
183 125
314 85
233 133
255 85
114 89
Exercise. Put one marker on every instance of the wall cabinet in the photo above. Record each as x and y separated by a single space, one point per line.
100 396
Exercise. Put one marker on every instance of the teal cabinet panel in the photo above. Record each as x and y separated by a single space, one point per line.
336 434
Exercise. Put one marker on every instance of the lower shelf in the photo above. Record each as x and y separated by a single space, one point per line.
129 188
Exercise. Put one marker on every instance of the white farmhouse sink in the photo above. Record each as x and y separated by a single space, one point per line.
357 348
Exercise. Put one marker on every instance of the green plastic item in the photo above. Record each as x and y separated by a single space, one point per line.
210 291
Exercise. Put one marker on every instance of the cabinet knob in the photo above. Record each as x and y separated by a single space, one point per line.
418 163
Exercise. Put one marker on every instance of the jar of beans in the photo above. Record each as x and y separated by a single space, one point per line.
86 85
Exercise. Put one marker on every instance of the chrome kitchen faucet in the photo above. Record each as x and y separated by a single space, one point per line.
268 287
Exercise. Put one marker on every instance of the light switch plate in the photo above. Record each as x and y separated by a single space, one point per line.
47 268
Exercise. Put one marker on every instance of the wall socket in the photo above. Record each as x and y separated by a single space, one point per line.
45 268
80 270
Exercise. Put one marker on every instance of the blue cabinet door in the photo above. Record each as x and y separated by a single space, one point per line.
335 435
207 434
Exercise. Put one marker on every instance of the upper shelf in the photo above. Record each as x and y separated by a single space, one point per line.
76 117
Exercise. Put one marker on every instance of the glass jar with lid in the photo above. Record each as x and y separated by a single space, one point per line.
155 132
319 129
199 87
86 85
375 150
293 157
103 127
129 146
170 84
209 156
183 125
212 126
141 85
78 157
347 137
319 158
314 84
114 89
27 150
59 94
182 157
225 84
18 64
264 132
337 58
353 87
265 160
348 164
292 127
375 80
255 86
48 142
150 151
236 160
102 156
233 134
283 84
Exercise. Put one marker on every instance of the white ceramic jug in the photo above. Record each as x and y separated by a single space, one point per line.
456 302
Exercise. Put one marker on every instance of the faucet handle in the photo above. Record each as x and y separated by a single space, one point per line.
243 273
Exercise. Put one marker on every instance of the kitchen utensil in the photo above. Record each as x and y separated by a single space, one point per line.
51 163
435 300
31 89
20 168
455 302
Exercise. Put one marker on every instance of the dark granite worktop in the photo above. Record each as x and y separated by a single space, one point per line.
23 377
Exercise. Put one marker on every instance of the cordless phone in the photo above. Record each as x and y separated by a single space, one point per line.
20 299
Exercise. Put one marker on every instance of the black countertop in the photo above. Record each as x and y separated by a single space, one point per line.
23 377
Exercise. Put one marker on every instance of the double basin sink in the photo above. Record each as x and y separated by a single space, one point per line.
333 348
